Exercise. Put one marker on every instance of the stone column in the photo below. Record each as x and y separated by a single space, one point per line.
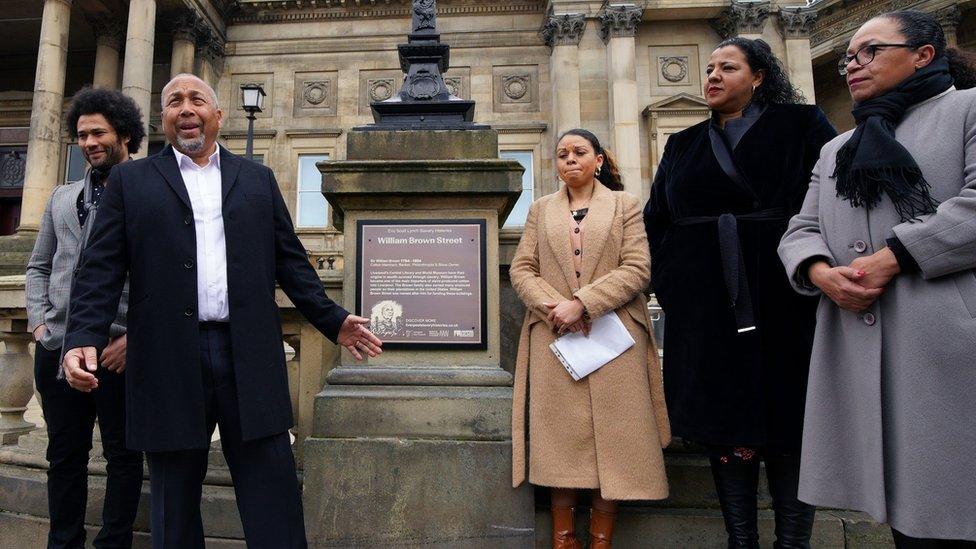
44 138
186 26
618 25
797 25
138 71
949 18
563 34
109 32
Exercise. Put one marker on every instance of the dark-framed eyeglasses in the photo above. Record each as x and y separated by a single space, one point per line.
865 55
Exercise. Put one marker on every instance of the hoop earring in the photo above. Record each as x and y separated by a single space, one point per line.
597 172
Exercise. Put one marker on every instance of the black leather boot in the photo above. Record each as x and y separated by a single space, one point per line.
737 482
794 519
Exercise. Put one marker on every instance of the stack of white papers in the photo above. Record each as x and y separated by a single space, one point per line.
582 355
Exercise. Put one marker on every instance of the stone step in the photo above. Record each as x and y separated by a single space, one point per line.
23 491
642 527
23 508
25 531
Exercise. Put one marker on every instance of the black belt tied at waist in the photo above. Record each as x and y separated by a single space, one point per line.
733 265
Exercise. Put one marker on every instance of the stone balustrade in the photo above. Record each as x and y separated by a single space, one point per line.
313 357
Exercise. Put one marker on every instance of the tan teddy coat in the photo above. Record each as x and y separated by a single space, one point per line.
605 431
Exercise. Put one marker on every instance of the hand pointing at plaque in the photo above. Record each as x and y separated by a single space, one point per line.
356 337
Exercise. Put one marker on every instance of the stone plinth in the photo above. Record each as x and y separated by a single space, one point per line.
414 447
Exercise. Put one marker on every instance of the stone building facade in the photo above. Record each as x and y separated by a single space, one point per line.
631 71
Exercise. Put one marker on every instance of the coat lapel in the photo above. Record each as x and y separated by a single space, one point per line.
165 162
557 232
69 208
230 165
599 218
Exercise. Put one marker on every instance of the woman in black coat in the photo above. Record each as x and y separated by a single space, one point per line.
737 339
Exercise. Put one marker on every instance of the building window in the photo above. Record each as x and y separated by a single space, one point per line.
76 164
521 210
313 210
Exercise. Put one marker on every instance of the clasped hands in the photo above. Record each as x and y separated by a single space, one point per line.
857 286
567 316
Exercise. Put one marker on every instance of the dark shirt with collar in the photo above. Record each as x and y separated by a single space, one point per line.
732 134
97 178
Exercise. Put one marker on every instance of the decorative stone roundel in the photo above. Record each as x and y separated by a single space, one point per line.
453 86
516 86
381 90
316 91
674 68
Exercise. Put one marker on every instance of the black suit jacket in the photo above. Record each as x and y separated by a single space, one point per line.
145 229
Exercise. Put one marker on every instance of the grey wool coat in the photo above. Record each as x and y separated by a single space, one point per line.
890 425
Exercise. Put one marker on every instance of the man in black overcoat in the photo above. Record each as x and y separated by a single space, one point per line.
203 236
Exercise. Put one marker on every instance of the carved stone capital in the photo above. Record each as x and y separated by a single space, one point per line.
949 18
109 29
797 23
186 24
742 18
564 30
210 45
620 20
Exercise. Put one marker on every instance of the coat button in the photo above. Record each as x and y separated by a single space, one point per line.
187 220
577 274
576 230
188 311
869 319
860 246
756 204
577 252
188 263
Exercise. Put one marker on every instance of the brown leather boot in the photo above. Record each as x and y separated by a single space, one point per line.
601 529
564 529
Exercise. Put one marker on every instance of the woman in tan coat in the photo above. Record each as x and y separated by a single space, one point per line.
584 254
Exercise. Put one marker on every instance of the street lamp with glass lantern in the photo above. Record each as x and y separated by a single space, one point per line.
252 99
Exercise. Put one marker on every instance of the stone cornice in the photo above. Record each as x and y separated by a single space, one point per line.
272 11
837 20
949 17
620 20
563 30
797 23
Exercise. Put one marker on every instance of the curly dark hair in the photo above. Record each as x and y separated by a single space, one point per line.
118 109
920 29
776 87
610 174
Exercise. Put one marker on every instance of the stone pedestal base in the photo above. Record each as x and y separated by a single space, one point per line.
397 466
392 492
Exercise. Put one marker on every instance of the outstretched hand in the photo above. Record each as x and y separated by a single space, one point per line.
79 364
356 337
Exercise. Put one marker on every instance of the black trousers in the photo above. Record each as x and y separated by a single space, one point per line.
736 477
265 482
905 542
70 416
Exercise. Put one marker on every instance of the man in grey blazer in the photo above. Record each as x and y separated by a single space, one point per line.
109 127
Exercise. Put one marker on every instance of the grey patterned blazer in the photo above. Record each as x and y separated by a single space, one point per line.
50 270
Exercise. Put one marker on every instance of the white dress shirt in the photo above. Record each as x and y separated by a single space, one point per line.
203 184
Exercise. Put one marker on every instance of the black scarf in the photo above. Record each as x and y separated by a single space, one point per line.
872 161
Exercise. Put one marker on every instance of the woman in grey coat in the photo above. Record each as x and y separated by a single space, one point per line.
887 235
